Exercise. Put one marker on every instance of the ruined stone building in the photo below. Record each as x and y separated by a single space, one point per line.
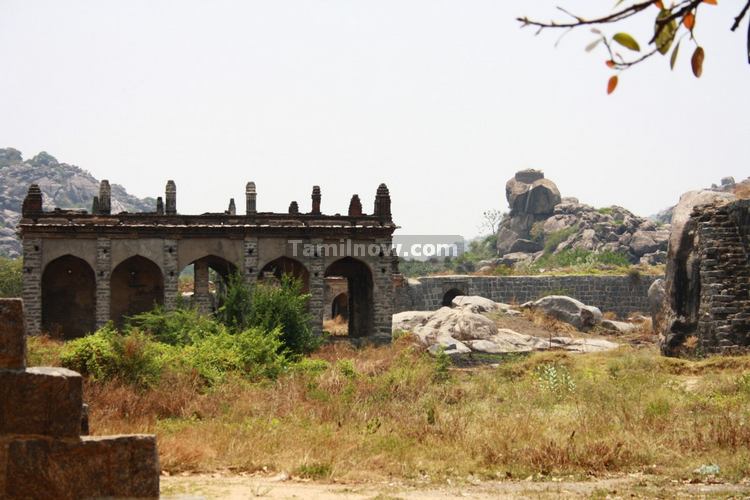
83 269
707 296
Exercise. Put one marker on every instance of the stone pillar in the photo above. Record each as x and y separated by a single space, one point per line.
159 206
103 271
13 340
170 207
171 275
105 198
316 266
201 295
355 207
232 210
250 198
294 208
383 203
316 200
32 285
383 292
250 268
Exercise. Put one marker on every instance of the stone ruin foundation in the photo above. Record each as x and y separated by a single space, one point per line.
42 452
708 282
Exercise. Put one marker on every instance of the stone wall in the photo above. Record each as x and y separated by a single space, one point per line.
42 452
724 309
619 294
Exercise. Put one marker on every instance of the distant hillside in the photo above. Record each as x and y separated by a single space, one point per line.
63 185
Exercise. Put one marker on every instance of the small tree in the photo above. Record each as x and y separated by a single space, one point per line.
491 220
237 305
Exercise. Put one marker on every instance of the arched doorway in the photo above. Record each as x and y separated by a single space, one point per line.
68 298
340 306
450 295
204 281
361 307
284 265
137 285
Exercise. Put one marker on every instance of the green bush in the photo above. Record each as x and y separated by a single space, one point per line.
254 353
106 354
11 280
237 303
178 327
283 306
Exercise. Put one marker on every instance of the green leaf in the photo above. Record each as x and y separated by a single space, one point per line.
627 41
668 31
673 59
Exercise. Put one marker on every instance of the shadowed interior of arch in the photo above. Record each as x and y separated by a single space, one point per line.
360 294
137 285
340 306
284 265
68 298
204 281
450 295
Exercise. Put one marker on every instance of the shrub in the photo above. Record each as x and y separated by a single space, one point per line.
254 353
178 327
134 358
283 306
237 306
11 280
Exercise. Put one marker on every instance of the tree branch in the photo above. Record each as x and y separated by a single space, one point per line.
738 19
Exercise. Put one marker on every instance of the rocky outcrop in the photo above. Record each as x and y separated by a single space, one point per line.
465 328
568 310
62 185
539 219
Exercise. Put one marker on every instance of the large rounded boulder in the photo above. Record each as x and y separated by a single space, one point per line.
528 192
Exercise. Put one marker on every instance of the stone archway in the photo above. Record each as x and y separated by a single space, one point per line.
450 295
360 294
68 298
340 306
137 285
284 265
206 298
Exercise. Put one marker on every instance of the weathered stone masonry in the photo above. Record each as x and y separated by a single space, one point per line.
619 294
724 310
134 260
42 452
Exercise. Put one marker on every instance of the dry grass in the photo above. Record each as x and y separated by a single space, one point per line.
375 413
338 326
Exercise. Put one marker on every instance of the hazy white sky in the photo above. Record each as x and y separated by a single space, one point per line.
442 100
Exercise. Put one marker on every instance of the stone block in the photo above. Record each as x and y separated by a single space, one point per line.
43 401
71 469
12 337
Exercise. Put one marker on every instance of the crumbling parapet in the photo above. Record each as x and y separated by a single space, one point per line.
42 453
708 281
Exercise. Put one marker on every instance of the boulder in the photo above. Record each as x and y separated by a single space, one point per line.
408 320
653 259
656 297
525 246
643 242
538 197
618 326
511 259
568 310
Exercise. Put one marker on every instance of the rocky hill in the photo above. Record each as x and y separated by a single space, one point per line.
542 222
63 185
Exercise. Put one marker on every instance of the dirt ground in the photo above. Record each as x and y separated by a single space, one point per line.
214 486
